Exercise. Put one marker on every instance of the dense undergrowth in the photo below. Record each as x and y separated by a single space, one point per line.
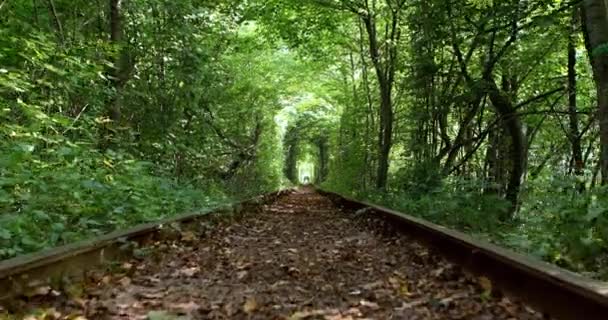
556 223
101 131
56 190
478 115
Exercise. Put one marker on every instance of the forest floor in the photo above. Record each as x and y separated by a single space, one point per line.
300 258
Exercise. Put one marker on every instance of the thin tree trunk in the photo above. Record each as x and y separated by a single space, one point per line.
116 39
518 155
56 22
35 11
575 136
370 121
595 25
384 74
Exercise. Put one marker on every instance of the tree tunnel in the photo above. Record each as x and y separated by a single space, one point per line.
306 143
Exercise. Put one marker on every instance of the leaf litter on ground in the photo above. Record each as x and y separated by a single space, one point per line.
299 258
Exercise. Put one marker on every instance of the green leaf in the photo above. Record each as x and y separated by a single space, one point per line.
5 234
593 213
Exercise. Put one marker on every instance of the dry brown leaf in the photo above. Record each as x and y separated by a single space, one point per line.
300 315
354 293
250 305
188 236
241 275
126 281
50 314
187 308
152 295
448 300
354 312
242 265
413 304
73 290
373 285
190 272
40 291
400 286
438 272
486 285
369 304
338 317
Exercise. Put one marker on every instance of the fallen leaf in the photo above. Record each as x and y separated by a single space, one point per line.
152 295
250 305
486 285
412 304
74 290
446 301
50 314
162 315
373 285
189 236
313 313
39 291
354 312
241 275
369 304
338 317
400 286
189 272
126 281
187 308
242 265
438 272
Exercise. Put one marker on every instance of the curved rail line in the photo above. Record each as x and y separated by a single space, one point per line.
554 291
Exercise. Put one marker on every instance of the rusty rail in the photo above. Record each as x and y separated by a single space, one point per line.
66 264
557 292
552 290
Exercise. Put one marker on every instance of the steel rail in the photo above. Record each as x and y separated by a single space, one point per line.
554 291
67 264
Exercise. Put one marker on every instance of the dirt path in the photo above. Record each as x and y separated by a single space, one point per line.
301 258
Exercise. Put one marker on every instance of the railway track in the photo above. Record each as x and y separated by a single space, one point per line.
300 254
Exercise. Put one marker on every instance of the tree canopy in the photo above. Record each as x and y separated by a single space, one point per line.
487 116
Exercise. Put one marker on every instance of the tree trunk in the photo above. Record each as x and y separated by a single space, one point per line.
323 160
385 74
56 22
370 122
595 25
575 136
122 62
514 129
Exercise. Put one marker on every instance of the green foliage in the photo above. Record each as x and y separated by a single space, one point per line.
564 226
55 188
466 209
420 179
477 117
196 91
201 102
600 50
